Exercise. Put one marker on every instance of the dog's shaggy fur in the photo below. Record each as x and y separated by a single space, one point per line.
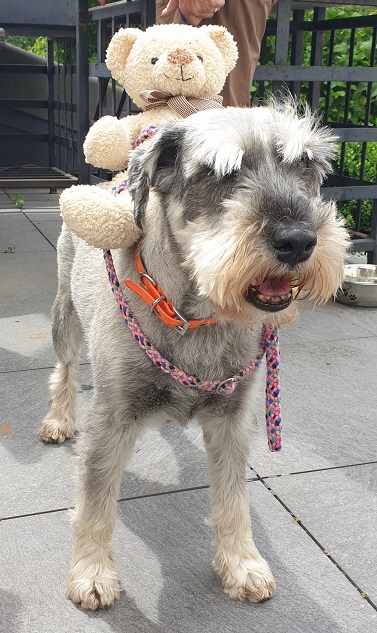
234 227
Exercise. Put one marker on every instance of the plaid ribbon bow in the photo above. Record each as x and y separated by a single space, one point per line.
184 106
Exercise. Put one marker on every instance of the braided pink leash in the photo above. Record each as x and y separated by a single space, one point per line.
269 346
147 133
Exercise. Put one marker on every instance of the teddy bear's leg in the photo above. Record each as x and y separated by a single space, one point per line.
95 215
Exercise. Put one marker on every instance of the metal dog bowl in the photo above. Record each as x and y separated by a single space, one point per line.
359 286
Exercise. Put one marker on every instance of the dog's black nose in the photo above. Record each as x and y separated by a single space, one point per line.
293 242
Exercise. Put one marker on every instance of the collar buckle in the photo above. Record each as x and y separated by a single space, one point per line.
156 302
182 329
143 276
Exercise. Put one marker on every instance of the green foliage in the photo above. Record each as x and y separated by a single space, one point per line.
362 56
36 45
355 167
18 200
335 97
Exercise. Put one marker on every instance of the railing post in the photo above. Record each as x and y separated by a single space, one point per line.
149 15
372 255
82 91
283 21
297 50
316 59
51 102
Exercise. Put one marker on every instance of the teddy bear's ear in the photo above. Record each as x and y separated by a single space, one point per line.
225 43
118 51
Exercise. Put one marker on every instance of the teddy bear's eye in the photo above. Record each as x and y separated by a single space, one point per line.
200 58
154 60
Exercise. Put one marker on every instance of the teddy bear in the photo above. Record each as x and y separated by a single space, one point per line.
169 71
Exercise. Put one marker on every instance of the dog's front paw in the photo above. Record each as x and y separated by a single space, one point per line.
56 431
93 591
246 578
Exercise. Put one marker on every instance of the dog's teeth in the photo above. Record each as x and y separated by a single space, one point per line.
272 299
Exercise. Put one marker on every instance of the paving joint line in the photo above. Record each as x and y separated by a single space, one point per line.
169 492
316 470
33 514
292 344
15 371
325 552
144 496
39 231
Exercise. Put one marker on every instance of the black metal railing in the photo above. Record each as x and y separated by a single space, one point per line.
307 50
312 54
62 106
110 98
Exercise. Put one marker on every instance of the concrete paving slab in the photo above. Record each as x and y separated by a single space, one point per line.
32 199
28 274
339 508
27 291
328 407
13 302
26 342
11 209
48 222
50 228
36 200
19 234
42 215
334 321
25 335
36 477
164 556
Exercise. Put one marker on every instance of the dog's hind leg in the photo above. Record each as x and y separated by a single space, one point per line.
103 448
58 425
243 571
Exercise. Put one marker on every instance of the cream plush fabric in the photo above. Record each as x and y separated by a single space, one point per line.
172 58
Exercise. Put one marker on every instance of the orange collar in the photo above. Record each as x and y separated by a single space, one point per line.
153 296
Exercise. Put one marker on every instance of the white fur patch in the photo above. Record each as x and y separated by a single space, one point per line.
224 152
278 127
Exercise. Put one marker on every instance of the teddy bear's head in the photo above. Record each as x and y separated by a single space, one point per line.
173 58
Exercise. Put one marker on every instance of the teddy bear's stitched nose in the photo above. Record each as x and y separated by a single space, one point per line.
180 56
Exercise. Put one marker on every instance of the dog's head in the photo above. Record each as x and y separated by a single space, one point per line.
240 189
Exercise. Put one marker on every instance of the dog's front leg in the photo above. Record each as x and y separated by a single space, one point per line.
243 571
103 451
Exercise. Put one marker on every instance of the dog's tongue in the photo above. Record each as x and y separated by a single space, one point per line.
275 287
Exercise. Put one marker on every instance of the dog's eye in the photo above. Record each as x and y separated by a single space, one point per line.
305 161
200 58
154 60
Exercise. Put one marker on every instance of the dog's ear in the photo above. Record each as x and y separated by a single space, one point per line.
155 161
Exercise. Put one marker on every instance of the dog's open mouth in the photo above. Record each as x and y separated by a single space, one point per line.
272 295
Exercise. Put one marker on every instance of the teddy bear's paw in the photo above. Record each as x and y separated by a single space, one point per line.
107 144
98 217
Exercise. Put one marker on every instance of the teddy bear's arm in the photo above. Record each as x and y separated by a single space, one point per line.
108 143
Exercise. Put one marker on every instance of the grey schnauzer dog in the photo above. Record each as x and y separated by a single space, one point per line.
235 232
